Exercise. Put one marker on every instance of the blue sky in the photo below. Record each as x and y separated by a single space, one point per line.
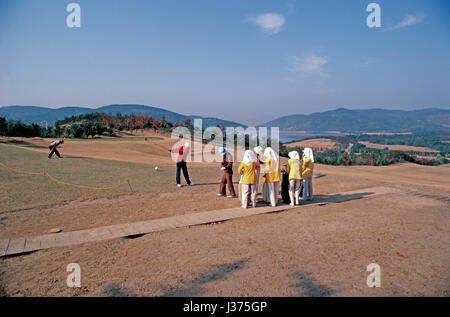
249 61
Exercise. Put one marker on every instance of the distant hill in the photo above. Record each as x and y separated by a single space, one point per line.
371 120
343 120
30 114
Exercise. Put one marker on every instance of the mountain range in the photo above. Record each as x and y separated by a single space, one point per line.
342 120
40 115
370 120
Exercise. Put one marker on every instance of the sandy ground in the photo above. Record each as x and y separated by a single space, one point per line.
398 147
142 148
151 151
307 251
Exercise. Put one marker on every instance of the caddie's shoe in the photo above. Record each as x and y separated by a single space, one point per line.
190 184
179 185
231 196
291 204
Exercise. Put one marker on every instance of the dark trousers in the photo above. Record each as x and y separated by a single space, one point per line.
53 150
227 178
182 166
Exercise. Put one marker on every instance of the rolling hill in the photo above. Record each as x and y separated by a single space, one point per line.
343 120
371 120
30 114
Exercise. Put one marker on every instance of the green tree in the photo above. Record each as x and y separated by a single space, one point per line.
76 130
3 126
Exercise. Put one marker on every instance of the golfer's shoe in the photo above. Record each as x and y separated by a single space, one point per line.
190 184
220 195
179 185
230 196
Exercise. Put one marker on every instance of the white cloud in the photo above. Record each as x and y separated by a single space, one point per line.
408 20
270 23
309 64
309 73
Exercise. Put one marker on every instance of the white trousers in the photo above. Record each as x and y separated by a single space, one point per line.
307 189
246 189
294 190
273 192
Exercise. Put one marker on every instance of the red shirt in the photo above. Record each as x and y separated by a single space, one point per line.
54 144
227 163
182 153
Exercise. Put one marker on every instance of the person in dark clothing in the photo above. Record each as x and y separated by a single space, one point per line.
183 152
53 148
285 185
227 177
182 166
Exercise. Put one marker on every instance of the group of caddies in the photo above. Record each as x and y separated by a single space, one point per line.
258 166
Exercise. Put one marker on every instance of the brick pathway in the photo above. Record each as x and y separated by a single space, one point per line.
15 246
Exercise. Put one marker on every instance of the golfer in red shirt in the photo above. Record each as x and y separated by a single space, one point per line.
183 152
52 147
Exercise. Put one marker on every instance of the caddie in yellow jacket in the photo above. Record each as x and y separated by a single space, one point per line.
247 169
307 174
273 174
295 177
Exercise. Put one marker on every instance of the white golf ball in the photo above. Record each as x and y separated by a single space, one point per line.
156 168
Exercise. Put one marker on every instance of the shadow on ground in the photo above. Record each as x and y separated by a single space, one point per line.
322 199
206 184
114 290
194 287
23 143
2 288
213 183
337 198
307 286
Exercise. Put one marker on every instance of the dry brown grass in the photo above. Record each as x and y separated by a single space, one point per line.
307 251
398 147
149 148
320 144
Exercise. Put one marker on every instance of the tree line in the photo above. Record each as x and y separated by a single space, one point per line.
361 155
88 125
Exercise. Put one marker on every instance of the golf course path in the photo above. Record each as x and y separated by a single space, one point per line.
16 246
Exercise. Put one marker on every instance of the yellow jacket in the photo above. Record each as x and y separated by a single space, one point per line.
294 170
274 176
307 168
248 172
